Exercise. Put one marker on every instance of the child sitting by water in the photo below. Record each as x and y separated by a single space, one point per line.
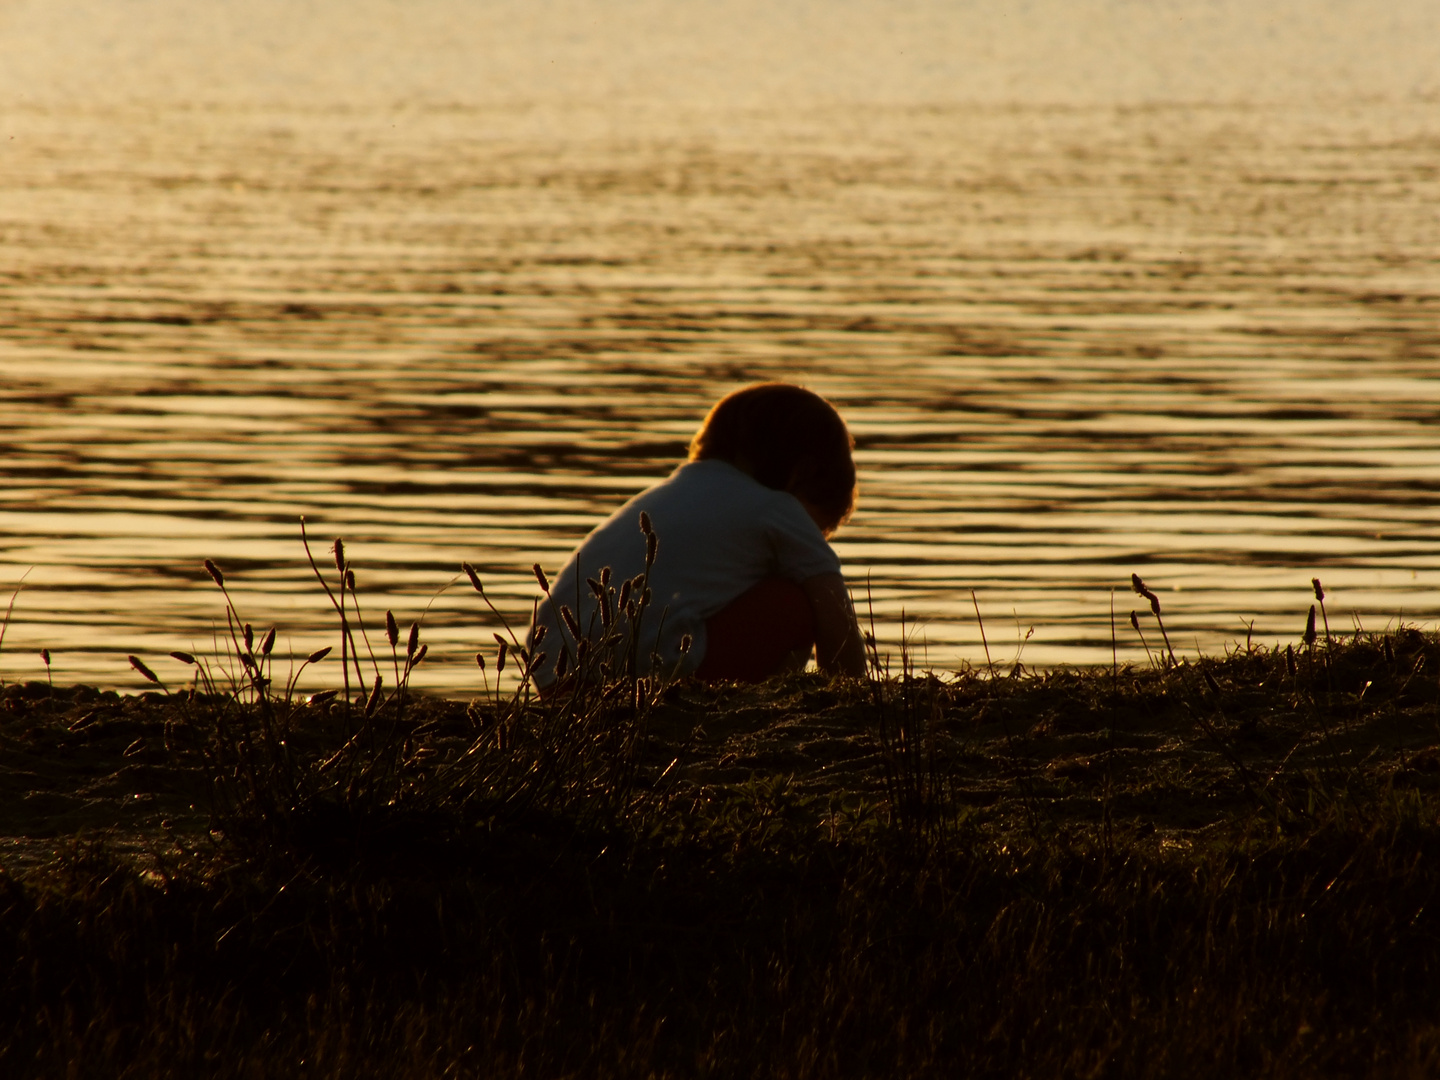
744 583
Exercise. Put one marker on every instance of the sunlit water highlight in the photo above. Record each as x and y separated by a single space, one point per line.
1198 341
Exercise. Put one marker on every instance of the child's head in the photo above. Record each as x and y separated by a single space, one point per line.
788 439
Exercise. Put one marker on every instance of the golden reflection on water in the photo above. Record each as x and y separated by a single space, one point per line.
1196 343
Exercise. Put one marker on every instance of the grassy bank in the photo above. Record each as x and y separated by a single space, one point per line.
1227 867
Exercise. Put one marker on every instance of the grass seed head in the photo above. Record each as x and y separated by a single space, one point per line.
318 655
139 665
268 643
1144 590
374 699
562 665
1310 626
215 574
184 657
419 655
1319 592
500 656
571 623
540 632
603 595
605 576
1135 621
339 549
413 641
480 660
473 576
645 526
45 655
350 580
249 638
392 629
540 577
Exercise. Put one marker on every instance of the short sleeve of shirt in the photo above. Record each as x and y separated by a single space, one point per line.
801 550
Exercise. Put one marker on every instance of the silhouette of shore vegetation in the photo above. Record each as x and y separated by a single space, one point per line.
1206 866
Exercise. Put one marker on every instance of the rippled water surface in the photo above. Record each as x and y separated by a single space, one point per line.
1200 341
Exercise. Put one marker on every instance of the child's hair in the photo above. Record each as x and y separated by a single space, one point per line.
787 438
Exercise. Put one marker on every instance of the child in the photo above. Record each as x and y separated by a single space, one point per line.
742 574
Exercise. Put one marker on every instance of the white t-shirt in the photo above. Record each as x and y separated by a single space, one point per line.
719 532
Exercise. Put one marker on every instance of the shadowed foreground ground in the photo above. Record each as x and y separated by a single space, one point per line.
1225 868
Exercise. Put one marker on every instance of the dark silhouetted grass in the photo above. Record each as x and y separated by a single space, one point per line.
551 903
1216 867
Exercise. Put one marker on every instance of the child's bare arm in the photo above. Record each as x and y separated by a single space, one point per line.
839 648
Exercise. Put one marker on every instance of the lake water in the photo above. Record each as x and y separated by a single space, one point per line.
1100 287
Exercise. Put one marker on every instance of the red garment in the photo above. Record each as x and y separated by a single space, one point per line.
757 633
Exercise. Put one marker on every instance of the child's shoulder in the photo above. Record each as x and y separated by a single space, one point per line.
718 495
715 478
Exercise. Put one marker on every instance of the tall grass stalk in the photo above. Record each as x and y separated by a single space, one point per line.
1320 599
1135 625
10 609
989 663
1141 589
